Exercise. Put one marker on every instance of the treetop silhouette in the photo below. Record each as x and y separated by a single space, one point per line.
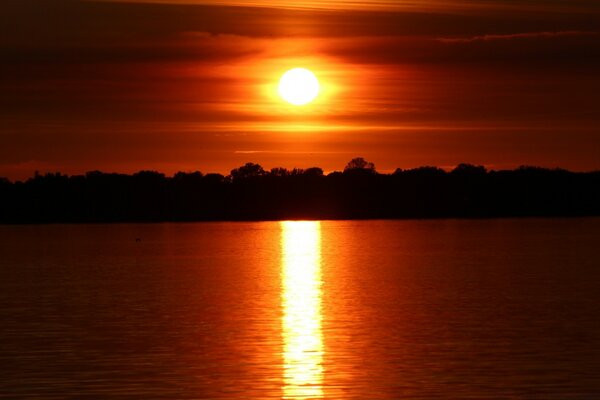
251 193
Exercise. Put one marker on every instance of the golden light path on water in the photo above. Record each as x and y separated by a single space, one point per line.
301 300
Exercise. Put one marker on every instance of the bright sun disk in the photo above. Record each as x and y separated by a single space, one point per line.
299 86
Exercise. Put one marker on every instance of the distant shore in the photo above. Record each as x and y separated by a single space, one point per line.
251 193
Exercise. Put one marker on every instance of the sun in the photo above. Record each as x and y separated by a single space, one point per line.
299 86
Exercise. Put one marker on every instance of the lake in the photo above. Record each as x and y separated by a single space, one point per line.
332 309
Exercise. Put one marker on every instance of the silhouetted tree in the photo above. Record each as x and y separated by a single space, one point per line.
422 171
188 176
313 171
249 170
359 163
279 172
469 169
213 178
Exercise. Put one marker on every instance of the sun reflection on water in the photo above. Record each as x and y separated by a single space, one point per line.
301 299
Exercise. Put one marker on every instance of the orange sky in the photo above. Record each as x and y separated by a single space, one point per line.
116 86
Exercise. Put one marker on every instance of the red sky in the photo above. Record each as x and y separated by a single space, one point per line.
189 85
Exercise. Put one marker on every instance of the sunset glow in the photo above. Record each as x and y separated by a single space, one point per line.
316 199
404 84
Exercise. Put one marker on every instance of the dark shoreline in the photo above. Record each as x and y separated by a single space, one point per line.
251 194
209 221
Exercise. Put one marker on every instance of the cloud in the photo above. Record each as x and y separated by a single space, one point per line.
552 50
513 36
393 5
38 23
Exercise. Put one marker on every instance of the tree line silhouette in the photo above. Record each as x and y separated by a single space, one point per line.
252 193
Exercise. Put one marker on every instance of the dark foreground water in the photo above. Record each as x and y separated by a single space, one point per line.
336 309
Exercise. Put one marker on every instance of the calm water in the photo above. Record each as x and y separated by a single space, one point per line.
336 309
